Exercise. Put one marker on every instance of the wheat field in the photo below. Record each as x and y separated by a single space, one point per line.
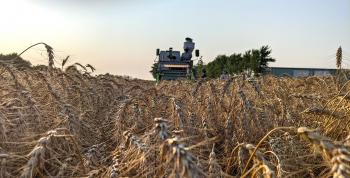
56 123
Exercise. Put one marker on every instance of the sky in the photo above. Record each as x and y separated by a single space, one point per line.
121 36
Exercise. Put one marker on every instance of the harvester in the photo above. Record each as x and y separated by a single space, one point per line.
171 65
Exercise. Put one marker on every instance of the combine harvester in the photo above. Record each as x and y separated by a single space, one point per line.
172 65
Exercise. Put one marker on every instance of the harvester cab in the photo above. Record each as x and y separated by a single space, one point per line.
171 65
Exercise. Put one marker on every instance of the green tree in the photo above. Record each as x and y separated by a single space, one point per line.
234 63
154 70
215 68
198 68
264 58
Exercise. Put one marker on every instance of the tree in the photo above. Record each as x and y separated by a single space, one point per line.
264 58
234 63
198 68
154 70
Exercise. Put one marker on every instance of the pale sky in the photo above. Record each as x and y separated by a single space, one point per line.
121 36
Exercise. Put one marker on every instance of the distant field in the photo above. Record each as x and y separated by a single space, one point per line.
69 124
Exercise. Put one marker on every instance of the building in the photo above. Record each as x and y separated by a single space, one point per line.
301 72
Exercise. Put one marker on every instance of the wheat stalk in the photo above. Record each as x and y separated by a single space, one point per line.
184 162
133 140
162 128
3 157
214 167
337 156
260 162
49 51
339 57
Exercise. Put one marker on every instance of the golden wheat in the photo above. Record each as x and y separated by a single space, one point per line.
56 123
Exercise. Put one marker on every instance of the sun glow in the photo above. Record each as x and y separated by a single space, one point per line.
24 20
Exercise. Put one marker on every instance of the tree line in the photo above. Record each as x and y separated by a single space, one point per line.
254 61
